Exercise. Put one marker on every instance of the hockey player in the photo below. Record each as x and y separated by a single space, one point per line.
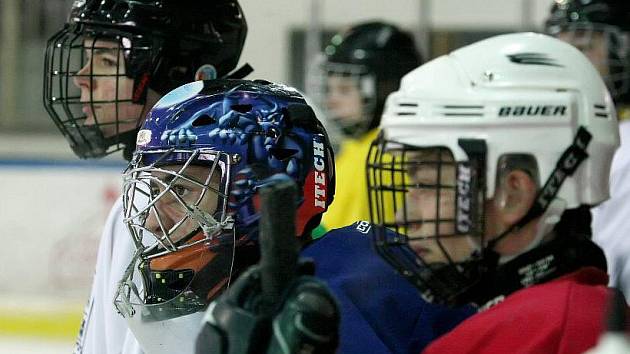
600 29
191 197
192 204
363 65
493 156
104 70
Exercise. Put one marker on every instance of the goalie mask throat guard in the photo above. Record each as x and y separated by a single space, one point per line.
482 103
164 325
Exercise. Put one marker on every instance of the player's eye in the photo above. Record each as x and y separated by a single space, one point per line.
109 62
155 191
584 47
424 175
181 191
347 89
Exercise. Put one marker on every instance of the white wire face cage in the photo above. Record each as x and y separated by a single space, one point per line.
175 207
175 198
358 77
614 66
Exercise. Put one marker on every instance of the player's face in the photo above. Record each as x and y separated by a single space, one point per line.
593 44
103 82
344 100
195 192
430 204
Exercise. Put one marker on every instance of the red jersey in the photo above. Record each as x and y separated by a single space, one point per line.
564 316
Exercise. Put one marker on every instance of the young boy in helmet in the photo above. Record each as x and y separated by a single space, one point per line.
493 156
600 29
363 65
192 203
104 70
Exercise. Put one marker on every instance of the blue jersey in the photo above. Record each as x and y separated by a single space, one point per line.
381 312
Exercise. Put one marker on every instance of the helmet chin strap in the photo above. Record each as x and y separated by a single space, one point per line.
545 226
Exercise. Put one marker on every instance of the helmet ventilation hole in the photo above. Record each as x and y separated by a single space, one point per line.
203 119
241 108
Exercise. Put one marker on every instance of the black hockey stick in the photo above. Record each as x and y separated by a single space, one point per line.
279 248
275 307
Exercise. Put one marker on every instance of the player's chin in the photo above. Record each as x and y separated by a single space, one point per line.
433 257
345 119
107 132
89 112
421 249
110 130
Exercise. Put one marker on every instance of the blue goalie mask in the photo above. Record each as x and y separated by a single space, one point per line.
191 190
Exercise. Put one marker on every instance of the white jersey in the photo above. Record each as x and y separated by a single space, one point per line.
611 220
103 330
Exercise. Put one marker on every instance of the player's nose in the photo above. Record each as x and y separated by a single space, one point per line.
157 222
411 215
152 224
82 78
332 101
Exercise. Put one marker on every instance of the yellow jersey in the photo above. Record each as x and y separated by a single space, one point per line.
351 193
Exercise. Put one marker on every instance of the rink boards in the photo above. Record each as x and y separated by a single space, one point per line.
51 217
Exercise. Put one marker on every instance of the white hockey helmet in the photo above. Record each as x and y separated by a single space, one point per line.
521 93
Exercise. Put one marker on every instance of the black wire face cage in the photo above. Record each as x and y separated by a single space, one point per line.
360 78
95 84
428 200
617 60
178 196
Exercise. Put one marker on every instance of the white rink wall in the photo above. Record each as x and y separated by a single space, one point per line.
52 217
52 211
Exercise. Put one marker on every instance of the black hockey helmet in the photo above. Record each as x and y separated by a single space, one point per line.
163 43
581 18
379 54
605 12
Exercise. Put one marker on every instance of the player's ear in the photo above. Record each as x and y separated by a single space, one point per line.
514 196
